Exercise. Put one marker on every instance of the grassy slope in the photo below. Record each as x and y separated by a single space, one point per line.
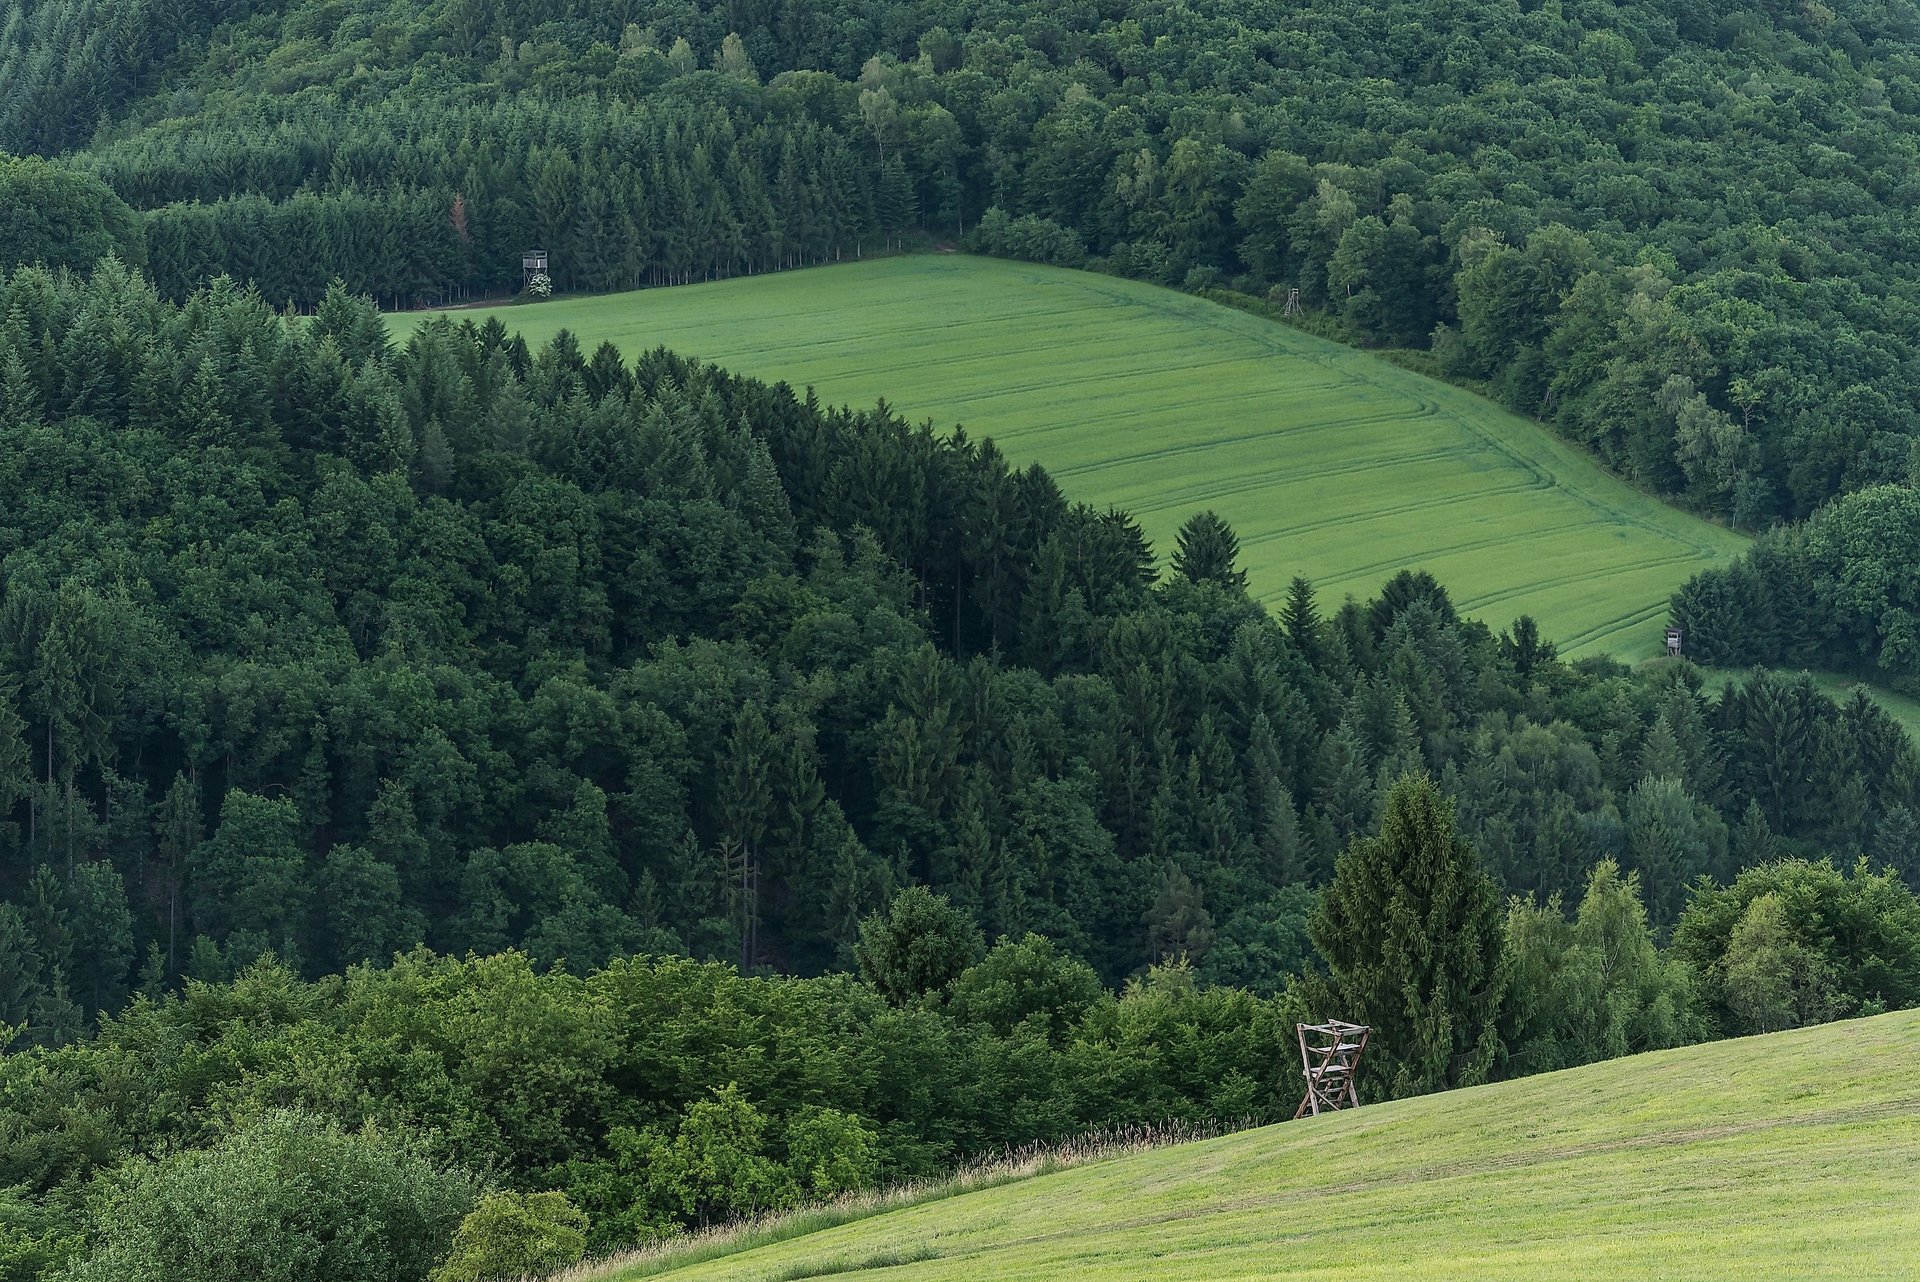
1329 462
1795 1156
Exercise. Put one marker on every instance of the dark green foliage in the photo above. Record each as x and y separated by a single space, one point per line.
1502 186
321 650
1025 983
1208 551
653 1094
918 946
1839 591
1410 927
57 217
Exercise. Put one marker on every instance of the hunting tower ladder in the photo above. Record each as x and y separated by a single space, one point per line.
1330 1055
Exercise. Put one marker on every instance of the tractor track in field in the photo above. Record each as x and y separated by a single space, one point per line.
1208 492
1429 554
1243 438
1562 580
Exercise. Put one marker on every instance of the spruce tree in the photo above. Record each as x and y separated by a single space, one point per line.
1411 929
1207 550
1300 616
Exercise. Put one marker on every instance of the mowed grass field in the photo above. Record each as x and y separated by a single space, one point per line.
1329 462
1793 1156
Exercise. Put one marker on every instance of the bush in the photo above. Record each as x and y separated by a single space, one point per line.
1027 982
33 1238
830 1152
516 1235
60 217
1036 239
290 1199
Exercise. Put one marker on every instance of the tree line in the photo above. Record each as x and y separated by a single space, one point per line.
485 1117
1837 591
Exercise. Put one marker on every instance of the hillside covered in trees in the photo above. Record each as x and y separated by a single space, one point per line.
640 686
454 793
1677 231
316 647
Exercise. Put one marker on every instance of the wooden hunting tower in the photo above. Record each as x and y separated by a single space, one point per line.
533 262
1293 303
1330 1055
1673 643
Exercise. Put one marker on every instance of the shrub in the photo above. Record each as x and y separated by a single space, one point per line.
516 1235
830 1152
290 1199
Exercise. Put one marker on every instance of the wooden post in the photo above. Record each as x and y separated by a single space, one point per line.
1330 1058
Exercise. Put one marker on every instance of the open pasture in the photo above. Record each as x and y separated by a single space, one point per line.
1787 1156
1329 462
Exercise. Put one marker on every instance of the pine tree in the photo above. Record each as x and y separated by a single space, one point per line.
1753 841
1412 930
746 809
1178 924
1206 553
101 925
1896 844
1343 783
1301 618
895 203
20 970
918 946
16 759
19 398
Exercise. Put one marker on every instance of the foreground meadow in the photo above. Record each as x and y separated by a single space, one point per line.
1329 462
1795 1155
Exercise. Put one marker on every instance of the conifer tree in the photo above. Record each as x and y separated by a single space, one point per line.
1300 616
1411 930
1207 551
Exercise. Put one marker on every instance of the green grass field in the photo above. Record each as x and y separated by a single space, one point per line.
1795 1156
1328 461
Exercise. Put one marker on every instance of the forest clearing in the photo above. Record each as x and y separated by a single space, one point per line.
1329 462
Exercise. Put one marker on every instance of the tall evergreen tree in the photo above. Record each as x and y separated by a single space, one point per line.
1411 929
1207 551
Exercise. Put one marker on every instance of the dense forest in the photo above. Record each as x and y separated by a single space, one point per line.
1676 231
315 652
1838 591
320 648
463 805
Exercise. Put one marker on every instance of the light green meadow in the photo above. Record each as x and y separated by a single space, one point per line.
1329 462
1781 1159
